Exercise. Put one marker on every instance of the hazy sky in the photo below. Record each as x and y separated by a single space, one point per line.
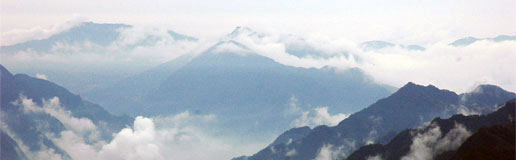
330 25
401 21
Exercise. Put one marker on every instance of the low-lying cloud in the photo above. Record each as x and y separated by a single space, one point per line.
330 152
431 143
181 136
319 116
313 117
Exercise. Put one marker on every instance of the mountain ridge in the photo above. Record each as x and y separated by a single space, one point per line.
411 106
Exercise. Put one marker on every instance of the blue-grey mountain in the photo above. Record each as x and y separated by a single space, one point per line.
411 106
470 40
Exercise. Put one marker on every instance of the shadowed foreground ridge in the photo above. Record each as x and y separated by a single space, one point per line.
493 138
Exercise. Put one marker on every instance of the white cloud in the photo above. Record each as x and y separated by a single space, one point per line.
319 116
467 111
41 76
454 68
291 153
377 157
75 145
53 108
19 35
431 143
181 136
292 106
330 152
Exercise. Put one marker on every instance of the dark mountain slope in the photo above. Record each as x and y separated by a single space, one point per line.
401 144
495 143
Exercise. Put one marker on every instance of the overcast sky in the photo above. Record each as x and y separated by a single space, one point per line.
400 21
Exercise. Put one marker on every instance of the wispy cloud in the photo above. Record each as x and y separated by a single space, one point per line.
432 143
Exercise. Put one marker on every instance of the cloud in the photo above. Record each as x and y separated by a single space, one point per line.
53 108
181 136
454 68
41 76
291 153
292 107
467 111
20 35
319 116
330 152
43 153
377 157
431 143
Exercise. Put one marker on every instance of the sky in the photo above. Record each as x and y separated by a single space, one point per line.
401 21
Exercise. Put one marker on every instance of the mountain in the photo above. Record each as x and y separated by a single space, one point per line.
101 34
443 131
21 97
131 91
377 45
470 40
94 33
292 135
249 92
229 78
409 107
221 79
79 54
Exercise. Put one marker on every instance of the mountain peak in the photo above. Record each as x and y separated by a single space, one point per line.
488 89
243 30
414 89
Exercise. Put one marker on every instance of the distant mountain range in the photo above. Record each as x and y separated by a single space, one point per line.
86 32
88 39
470 40
376 45
32 128
499 134
409 107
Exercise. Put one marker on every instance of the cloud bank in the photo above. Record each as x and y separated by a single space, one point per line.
454 68
182 136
